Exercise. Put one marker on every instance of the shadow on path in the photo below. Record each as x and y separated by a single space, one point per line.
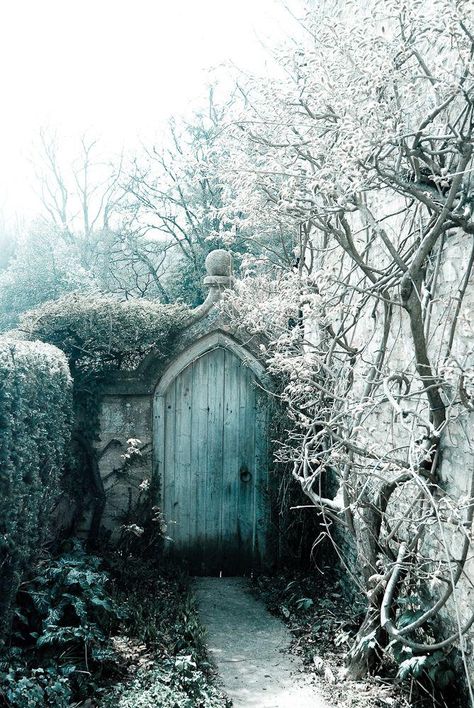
249 647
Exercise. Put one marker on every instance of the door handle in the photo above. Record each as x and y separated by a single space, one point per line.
245 475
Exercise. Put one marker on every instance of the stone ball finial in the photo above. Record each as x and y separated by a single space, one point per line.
219 263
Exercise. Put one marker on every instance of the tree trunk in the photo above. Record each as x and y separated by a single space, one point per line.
365 653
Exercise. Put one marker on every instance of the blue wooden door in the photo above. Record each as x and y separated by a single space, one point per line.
215 471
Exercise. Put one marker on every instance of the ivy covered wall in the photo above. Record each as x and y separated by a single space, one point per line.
103 339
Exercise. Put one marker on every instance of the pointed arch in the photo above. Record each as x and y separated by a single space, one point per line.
203 346
241 462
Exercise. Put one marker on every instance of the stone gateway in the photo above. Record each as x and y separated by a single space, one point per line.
201 419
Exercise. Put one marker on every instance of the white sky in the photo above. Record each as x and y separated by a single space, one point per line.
115 67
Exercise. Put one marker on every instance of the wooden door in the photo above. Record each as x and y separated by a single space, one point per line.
214 467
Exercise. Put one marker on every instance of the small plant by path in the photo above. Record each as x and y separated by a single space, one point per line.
324 622
163 648
94 632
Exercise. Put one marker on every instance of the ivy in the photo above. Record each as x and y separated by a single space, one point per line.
101 334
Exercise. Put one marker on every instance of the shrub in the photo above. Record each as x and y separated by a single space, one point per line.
35 422
34 688
62 625
99 333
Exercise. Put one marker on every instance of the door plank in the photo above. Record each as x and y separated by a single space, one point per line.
199 456
231 461
261 474
168 481
246 468
214 453
184 503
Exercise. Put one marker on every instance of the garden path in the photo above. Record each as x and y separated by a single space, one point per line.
249 648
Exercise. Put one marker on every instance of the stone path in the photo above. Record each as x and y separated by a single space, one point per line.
248 646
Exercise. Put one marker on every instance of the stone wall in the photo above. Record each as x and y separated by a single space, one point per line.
123 418
382 428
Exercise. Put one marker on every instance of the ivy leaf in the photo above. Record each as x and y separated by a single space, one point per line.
304 603
412 667
408 617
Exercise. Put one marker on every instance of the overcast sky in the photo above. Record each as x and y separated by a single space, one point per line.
115 67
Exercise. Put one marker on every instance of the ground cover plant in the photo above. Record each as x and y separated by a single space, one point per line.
170 668
324 618
116 630
60 643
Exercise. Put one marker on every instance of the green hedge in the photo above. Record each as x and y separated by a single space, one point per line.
101 334
35 425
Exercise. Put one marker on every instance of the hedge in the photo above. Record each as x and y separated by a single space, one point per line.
35 425
100 334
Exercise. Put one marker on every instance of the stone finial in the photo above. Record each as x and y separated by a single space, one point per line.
219 268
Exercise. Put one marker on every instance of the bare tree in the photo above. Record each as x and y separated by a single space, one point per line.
80 192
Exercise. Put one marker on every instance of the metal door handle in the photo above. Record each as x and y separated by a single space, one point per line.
245 475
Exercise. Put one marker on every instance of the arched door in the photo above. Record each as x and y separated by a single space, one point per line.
212 462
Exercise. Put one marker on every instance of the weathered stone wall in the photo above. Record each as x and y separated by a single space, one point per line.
123 418
457 442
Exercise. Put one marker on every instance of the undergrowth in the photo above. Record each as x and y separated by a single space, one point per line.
164 649
324 618
116 630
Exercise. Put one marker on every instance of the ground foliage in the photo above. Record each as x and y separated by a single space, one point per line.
324 618
60 643
35 424
163 618
116 630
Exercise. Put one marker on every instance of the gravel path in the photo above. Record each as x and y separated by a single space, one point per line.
248 646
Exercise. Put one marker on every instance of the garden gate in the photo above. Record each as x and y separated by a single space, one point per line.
198 415
210 430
